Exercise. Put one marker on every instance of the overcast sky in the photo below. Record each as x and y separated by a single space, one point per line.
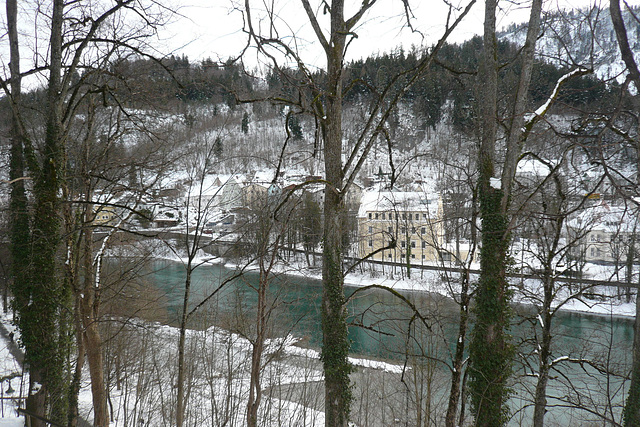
213 28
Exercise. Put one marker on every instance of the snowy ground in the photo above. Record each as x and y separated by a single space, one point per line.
9 367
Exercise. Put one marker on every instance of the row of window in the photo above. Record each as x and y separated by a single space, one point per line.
403 230
413 256
390 215
403 244
443 256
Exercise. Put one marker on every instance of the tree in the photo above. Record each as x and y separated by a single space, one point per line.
325 102
20 232
199 212
245 123
311 225
43 291
491 351
632 407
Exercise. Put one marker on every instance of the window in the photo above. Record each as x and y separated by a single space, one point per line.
390 229
403 244
402 256
424 245
370 229
413 256
413 230
593 251
413 244
404 216
423 230
383 215
370 243
376 215
389 256
404 230
423 256
369 215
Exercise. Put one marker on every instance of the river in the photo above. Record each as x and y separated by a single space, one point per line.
384 325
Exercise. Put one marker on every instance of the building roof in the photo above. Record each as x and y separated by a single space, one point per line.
399 201
605 218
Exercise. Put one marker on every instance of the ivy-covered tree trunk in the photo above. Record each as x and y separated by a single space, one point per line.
490 356
20 229
45 330
491 351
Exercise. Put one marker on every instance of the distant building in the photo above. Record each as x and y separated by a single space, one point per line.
409 221
254 195
603 233
104 215
352 199
232 196
166 219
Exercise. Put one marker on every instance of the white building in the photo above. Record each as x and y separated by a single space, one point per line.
603 233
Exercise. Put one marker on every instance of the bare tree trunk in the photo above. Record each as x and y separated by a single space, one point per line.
458 359
544 351
632 406
180 404
96 366
36 400
335 343
77 375
545 314
255 388
540 398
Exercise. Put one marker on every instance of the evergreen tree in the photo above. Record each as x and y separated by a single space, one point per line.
245 123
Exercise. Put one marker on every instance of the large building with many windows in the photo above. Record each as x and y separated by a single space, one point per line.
400 226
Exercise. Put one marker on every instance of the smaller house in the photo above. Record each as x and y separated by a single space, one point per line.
603 233
166 219
231 195
254 195
104 215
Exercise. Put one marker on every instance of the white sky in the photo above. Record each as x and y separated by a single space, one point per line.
213 28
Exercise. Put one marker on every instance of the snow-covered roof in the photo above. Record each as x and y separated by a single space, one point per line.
532 167
399 201
605 218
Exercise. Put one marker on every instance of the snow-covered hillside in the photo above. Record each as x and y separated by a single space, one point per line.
582 37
